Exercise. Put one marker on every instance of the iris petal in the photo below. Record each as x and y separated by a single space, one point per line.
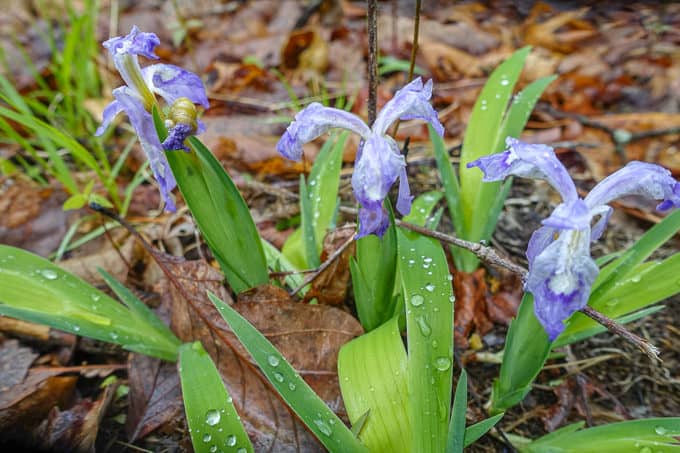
637 178
172 82
528 161
142 122
560 279
410 102
311 122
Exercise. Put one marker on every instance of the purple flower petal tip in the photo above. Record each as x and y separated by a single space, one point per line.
135 43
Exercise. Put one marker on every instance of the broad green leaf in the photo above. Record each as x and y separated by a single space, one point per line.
374 270
614 272
455 440
311 409
322 194
474 432
35 290
220 212
373 379
422 207
647 286
634 436
428 297
213 422
482 136
526 350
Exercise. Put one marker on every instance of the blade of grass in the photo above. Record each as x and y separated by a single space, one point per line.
213 421
456 436
311 409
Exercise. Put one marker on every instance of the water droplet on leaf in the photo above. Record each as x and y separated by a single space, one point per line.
212 417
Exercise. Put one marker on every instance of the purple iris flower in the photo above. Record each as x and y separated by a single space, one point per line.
137 97
379 162
561 271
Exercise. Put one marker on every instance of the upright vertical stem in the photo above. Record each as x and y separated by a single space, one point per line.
372 59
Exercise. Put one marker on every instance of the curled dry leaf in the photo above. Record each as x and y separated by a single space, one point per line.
74 429
470 305
330 287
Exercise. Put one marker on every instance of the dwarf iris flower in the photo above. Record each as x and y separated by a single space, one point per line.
378 162
137 97
561 270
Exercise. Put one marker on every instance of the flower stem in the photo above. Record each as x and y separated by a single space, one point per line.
372 60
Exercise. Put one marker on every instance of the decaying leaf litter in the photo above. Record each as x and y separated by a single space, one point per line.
617 97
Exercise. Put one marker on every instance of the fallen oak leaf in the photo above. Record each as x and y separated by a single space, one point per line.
155 396
309 336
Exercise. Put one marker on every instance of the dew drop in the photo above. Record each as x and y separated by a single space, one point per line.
417 300
452 299
505 82
49 274
660 430
323 427
278 376
273 360
229 399
423 326
212 417
645 450
213 449
207 437
442 363
76 328
636 279
291 386
241 450
435 344
449 277
114 336
429 287
231 440
95 297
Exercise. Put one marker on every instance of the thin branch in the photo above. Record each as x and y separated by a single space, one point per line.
372 19
310 278
489 255
649 349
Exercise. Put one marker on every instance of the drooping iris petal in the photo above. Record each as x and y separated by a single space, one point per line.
404 198
528 161
637 178
172 82
410 102
373 219
377 167
560 279
110 112
311 122
604 212
143 124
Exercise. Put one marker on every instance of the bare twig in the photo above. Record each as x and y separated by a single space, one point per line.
649 349
484 253
372 19
310 278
